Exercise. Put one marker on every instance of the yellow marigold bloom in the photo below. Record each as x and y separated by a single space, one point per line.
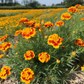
4 72
23 20
58 61
2 55
78 6
42 22
55 40
79 42
82 68
72 9
27 75
59 23
18 32
66 16
4 46
29 55
82 18
48 24
44 57
4 37
74 53
28 32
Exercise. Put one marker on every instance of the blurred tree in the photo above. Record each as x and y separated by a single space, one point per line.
69 3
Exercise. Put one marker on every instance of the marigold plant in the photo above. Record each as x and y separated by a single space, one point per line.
59 23
72 9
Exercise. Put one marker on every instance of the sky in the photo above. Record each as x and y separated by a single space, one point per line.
47 2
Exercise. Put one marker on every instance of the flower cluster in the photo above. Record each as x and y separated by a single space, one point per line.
4 46
55 40
72 9
79 42
59 23
37 25
29 55
66 16
27 75
44 57
23 20
4 72
4 37
28 32
48 24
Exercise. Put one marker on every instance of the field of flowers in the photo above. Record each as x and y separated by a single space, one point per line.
41 45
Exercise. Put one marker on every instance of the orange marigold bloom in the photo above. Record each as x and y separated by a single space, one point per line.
2 55
82 18
72 9
48 79
4 46
78 6
79 42
37 25
18 32
30 23
4 72
63 46
44 57
42 22
74 53
29 55
55 40
23 20
74 31
59 23
68 35
66 16
28 32
48 24
4 37
55 17
58 61
27 75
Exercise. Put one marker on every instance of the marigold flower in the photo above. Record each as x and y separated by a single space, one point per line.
55 40
42 22
66 16
27 75
2 55
68 35
48 79
74 31
4 46
29 55
30 23
63 46
44 57
59 23
4 37
23 20
72 9
48 24
82 68
4 72
28 32
58 61
82 18
78 6
79 42
74 53
18 32
37 25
